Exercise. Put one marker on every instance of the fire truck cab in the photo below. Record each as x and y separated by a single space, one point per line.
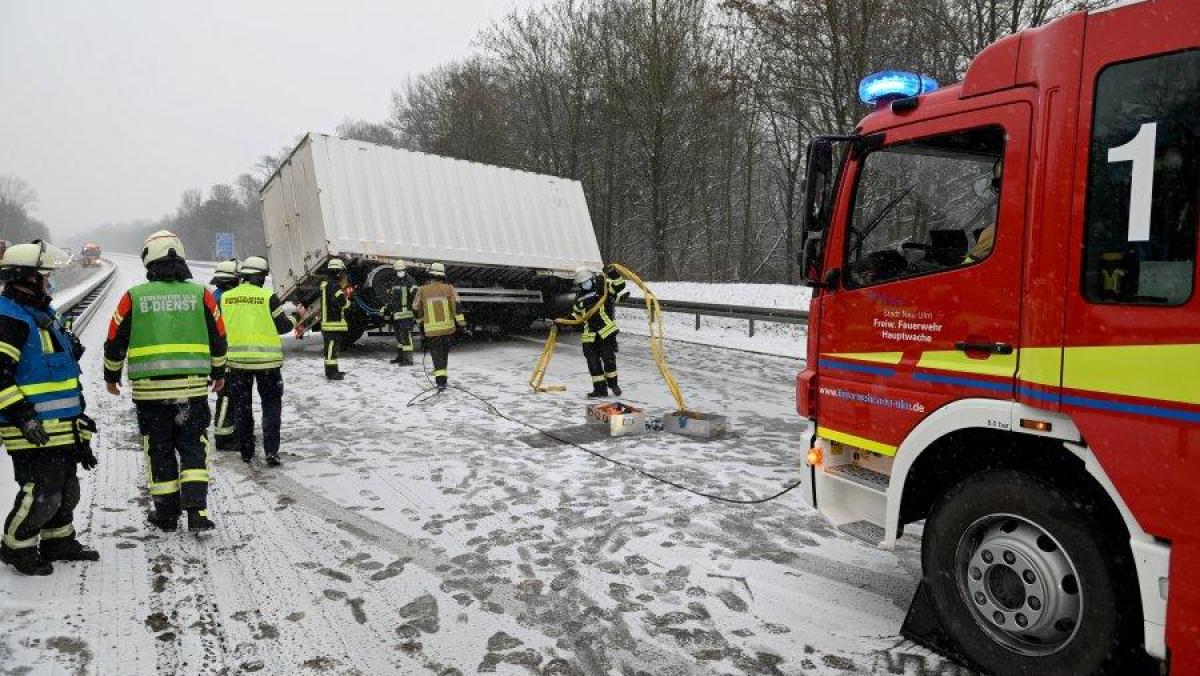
1004 340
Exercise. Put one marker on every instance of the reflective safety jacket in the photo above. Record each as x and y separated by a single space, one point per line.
333 308
614 285
173 336
254 319
402 294
600 324
437 306
46 374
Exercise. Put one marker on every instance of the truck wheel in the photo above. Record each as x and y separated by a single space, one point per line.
1025 581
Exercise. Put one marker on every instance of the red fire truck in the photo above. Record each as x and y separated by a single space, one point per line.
1004 341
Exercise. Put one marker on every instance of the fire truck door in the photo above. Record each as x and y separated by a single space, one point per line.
928 300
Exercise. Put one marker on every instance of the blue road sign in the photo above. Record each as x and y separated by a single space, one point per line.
224 245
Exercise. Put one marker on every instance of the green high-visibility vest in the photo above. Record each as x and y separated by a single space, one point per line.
168 335
253 340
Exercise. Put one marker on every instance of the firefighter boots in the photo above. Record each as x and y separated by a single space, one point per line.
274 461
27 561
167 524
335 375
599 390
67 550
198 521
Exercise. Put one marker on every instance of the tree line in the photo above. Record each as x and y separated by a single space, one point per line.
18 200
685 120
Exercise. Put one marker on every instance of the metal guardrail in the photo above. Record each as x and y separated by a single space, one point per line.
81 308
750 314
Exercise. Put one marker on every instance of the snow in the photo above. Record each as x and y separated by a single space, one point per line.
440 538
769 337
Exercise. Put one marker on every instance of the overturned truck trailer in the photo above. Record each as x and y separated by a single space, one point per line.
510 239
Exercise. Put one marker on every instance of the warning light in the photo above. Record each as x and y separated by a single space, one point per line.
888 85
1036 425
814 457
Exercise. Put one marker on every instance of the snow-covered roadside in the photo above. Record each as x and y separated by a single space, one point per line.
439 538
769 337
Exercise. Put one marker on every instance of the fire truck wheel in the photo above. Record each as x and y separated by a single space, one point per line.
1024 580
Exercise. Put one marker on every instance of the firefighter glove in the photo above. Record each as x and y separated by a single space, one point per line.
85 427
34 433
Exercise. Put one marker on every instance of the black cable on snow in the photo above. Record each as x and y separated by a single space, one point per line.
425 395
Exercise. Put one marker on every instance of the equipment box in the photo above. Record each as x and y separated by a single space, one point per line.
620 419
691 424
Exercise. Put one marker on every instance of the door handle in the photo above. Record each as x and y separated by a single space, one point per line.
990 348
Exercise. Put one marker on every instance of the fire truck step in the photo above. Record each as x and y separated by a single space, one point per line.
876 481
863 530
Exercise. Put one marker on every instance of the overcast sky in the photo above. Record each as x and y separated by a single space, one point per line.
112 109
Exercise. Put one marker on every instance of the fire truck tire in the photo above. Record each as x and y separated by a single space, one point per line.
1025 581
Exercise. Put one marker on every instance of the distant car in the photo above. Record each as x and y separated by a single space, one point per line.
89 255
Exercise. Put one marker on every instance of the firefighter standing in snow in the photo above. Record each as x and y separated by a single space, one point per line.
333 316
437 307
41 415
171 331
254 319
599 336
225 277
402 293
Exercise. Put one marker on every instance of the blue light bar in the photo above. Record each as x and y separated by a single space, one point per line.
893 84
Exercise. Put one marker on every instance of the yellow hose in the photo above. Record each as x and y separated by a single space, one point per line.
657 336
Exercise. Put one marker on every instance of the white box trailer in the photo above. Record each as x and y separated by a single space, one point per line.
507 237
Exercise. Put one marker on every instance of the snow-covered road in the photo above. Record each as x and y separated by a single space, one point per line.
442 539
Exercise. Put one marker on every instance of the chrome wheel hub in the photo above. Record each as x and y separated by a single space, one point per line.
1021 586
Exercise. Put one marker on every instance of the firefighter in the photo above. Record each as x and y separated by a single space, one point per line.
254 320
334 303
170 330
437 307
225 277
402 293
42 423
599 332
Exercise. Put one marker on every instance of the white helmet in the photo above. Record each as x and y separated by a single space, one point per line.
582 274
162 245
255 265
437 270
400 265
335 264
226 270
36 256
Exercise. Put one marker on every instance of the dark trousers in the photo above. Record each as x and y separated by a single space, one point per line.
175 441
439 350
601 355
223 422
48 494
270 395
404 341
333 345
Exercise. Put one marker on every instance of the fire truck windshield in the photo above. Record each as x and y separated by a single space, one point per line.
925 206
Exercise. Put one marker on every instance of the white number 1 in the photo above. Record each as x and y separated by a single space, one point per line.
1140 151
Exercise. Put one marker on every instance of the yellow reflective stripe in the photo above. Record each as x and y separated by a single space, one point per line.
10 396
58 533
51 426
1040 365
220 361
9 350
856 441
117 318
193 476
256 366
1165 372
278 311
439 372
10 535
892 358
598 379
113 365
611 375
47 341
57 386
168 348
999 365
164 487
